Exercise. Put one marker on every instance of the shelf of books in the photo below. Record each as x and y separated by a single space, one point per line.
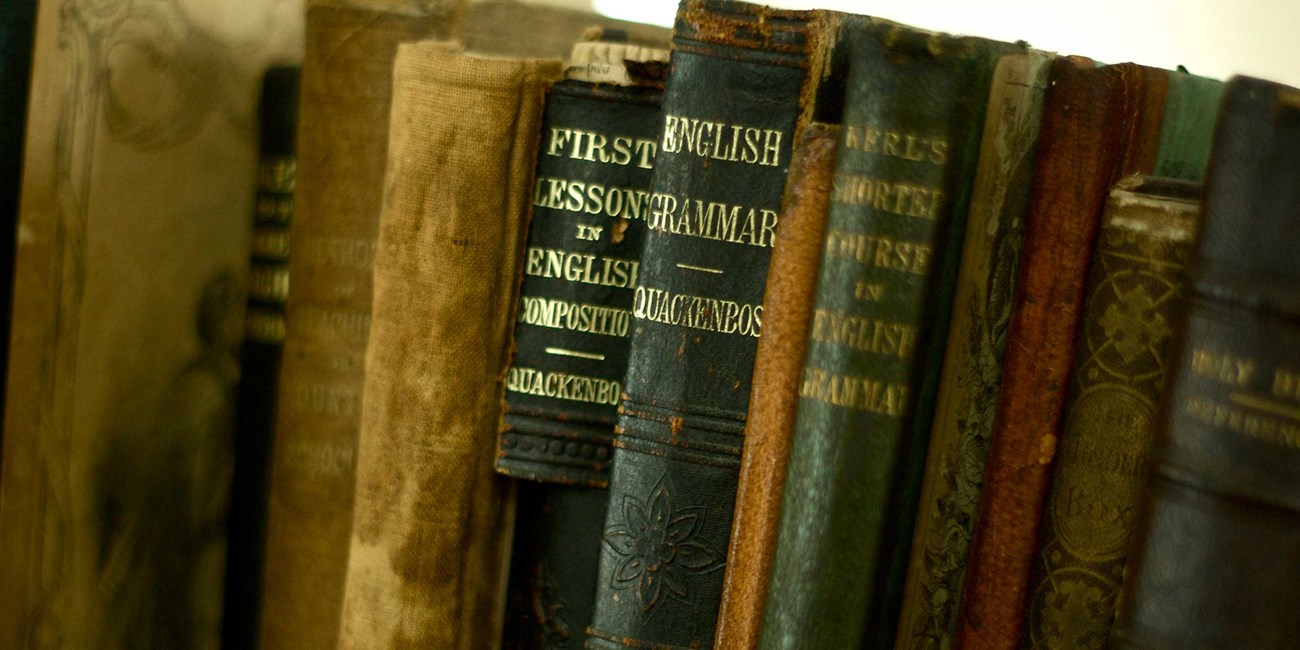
448 324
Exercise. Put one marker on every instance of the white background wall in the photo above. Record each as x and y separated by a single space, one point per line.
1215 38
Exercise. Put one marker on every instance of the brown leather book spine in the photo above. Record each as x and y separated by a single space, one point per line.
342 136
1099 124
787 304
432 522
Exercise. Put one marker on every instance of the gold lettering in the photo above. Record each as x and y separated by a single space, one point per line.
885 196
855 392
1222 367
865 334
697 312
1286 384
896 144
582 197
589 233
720 141
1245 422
575 317
879 251
584 268
560 385
711 220
593 146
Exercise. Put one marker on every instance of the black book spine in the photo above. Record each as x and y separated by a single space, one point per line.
259 361
17 23
590 201
1215 559
731 106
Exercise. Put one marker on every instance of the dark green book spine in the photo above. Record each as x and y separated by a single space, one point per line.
259 361
731 106
572 333
913 119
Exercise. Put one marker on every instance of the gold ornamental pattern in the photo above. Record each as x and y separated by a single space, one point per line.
1134 294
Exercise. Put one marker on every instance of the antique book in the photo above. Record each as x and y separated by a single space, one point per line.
697 313
17 23
342 140
431 531
1212 566
589 201
1133 298
913 120
127 317
259 357
1099 124
344 126
972 367
787 304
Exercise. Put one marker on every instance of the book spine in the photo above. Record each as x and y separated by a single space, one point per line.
1098 125
1187 129
343 127
972 368
432 524
590 199
552 588
1134 296
914 110
788 304
259 362
1213 565
697 314
17 31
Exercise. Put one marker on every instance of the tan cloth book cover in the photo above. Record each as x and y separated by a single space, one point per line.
432 523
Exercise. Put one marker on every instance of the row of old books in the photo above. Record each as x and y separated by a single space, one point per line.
804 329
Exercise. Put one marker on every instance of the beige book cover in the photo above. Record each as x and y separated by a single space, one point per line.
343 140
432 522
131 256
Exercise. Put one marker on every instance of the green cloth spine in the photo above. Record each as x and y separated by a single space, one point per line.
914 113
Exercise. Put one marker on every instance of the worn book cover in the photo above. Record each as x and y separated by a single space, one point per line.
787 302
913 122
342 142
431 530
128 312
343 139
697 315
972 366
1099 124
589 200
1218 532
1134 296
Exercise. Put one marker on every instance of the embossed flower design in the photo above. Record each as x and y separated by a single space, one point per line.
659 548
1132 324
1076 616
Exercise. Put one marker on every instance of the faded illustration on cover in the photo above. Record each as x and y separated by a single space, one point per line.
132 242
